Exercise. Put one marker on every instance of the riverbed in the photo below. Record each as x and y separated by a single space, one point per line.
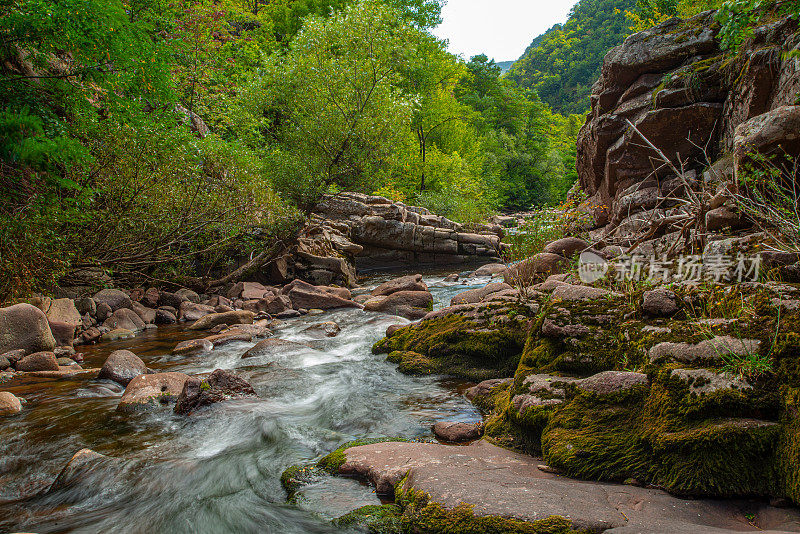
219 470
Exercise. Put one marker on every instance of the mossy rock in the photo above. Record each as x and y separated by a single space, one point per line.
374 518
333 461
421 514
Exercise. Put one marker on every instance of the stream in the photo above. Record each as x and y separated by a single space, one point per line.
219 470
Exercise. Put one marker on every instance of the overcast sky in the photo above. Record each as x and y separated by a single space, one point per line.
501 29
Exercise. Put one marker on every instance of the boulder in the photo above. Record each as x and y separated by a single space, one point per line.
193 347
147 315
63 333
408 304
451 278
269 346
172 300
103 312
707 350
270 304
113 298
570 292
455 432
23 326
306 296
404 283
188 294
192 311
773 133
38 361
611 382
220 386
248 291
566 247
86 305
537 267
165 317
117 334
9 403
327 329
79 466
233 317
4 363
150 391
227 337
476 295
122 366
62 311
659 302
723 217
489 269
126 319
151 297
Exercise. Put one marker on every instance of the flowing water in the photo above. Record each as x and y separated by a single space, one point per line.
218 471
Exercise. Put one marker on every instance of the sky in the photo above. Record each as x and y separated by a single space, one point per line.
501 29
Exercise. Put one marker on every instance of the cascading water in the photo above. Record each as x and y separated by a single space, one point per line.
218 471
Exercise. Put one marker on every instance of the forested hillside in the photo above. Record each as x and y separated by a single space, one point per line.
562 64
159 139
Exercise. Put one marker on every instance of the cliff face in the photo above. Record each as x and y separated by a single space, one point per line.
687 97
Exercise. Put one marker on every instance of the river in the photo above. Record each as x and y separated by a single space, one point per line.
218 471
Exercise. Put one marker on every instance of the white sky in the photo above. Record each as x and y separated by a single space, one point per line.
501 29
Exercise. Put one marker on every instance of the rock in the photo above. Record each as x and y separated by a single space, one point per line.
659 303
566 247
708 350
476 295
103 312
220 386
90 335
723 217
189 295
64 361
151 297
570 292
257 330
23 326
172 300
122 366
404 283
408 304
449 278
486 388
38 361
81 464
270 304
229 318
193 347
703 381
150 391
62 311
4 363
192 311
248 291
489 269
9 403
269 346
328 329
306 296
538 266
113 298
229 336
126 319
63 333
499 483
147 315
611 382
165 317
394 328
86 305
117 334
772 133
457 432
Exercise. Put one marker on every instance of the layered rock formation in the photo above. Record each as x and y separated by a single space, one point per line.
697 104
352 231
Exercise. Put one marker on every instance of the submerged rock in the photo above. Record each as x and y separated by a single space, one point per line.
220 386
152 391
38 361
192 347
408 304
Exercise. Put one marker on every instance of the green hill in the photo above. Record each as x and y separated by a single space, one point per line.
562 64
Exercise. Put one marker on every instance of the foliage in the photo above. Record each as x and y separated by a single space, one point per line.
562 64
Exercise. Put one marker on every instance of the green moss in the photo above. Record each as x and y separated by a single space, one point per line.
297 476
374 518
421 514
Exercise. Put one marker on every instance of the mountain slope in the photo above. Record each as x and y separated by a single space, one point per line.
562 63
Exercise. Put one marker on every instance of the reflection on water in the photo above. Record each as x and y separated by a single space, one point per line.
217 471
